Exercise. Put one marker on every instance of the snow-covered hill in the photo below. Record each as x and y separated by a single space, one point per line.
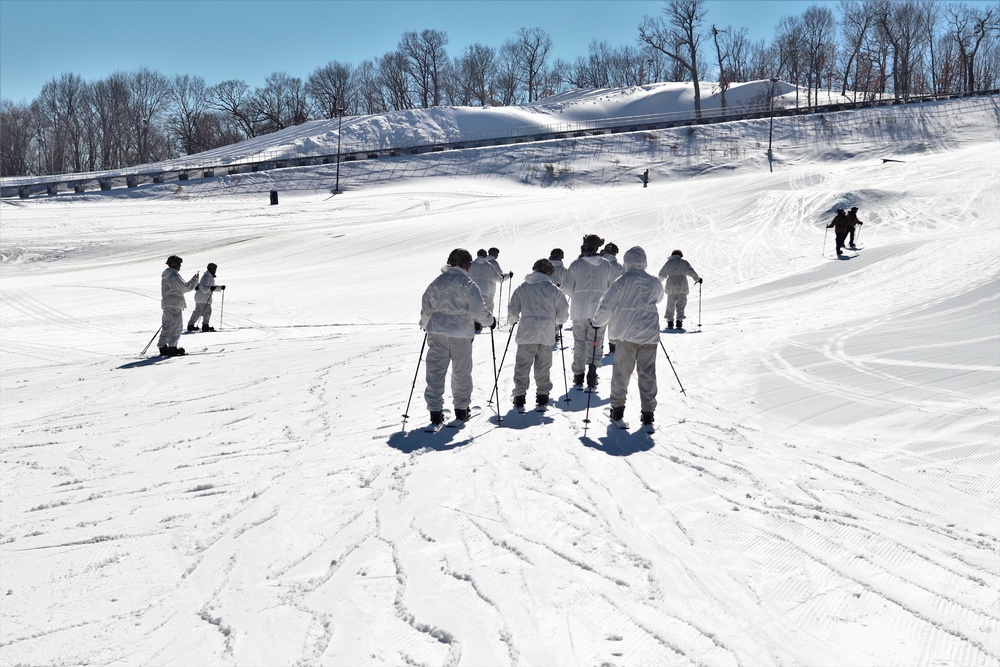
825 492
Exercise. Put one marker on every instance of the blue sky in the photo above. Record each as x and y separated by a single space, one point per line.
250 39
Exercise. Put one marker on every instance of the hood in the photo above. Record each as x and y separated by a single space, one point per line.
635 258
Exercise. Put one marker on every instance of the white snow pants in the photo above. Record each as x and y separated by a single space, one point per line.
201 310
629 356
441 351
583 345
171 326
676 302
541 357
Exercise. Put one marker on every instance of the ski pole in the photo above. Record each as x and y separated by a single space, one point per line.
699 304
493 346
562 348
143 353
825 235
593 362
222 309
496 380
672 367
406 413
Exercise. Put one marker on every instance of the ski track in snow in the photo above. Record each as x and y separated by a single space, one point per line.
826 492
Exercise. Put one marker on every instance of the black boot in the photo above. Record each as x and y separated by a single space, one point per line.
617 414
519 401
164 351
670 324
592 377
647 418
207 328
578 380
611 348
680 325
462 414
192 327
541 399
437 417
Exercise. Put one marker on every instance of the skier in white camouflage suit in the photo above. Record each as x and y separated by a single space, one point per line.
540 307
486 274
172 289
451 304
630 307
586 281
203 300
675 272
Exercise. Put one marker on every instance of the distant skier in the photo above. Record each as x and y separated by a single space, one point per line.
676 272
558 268
494 254
645 178
203 300
172 302
840 230
852 222
541 308
449 307
486 274
610 253
630 307
587 279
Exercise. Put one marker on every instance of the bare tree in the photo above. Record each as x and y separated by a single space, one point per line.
818 32
475 71
331 87
507 84
677 35
394 80
790 49
110 103
235 99
723 73
857 19
15 140
188 112
424 60
970 26
368 86
532 55
148 95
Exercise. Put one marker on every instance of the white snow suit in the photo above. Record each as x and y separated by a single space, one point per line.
676 271
559 271
203 300
172 289
630 307
485 272
538 306
450 306
586 281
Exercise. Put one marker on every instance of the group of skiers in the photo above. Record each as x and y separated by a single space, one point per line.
844 225
172 290
597 294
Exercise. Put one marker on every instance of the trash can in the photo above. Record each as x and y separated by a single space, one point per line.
274 197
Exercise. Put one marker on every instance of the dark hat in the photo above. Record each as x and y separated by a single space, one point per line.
678 253
591 243
840 210
543 266
494 251
480 253
174 259
459 256
610 248
854 208
556 253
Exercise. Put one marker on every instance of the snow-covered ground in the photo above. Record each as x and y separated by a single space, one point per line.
825 492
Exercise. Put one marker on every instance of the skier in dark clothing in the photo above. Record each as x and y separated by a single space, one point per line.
840 226
852 222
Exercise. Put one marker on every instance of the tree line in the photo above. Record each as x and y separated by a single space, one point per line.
873 49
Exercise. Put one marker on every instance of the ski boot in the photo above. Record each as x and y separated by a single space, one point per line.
670 324
578 381
205 328
592 377
463 414
192 327
437 417
541 400
618 414
519 401
646 418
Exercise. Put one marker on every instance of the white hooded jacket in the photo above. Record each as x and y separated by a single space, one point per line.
173 287
558 271
630 304
676 272
203 293
538 305
452 303
486 274
587 279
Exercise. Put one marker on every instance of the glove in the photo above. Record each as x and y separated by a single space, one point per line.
701 280
860 223
511 274
223 288
212 288
494 324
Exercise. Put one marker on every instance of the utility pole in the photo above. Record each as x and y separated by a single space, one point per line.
340 125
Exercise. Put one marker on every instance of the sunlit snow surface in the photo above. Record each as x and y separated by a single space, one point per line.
824 493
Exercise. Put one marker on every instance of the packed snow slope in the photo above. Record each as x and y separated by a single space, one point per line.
825 491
